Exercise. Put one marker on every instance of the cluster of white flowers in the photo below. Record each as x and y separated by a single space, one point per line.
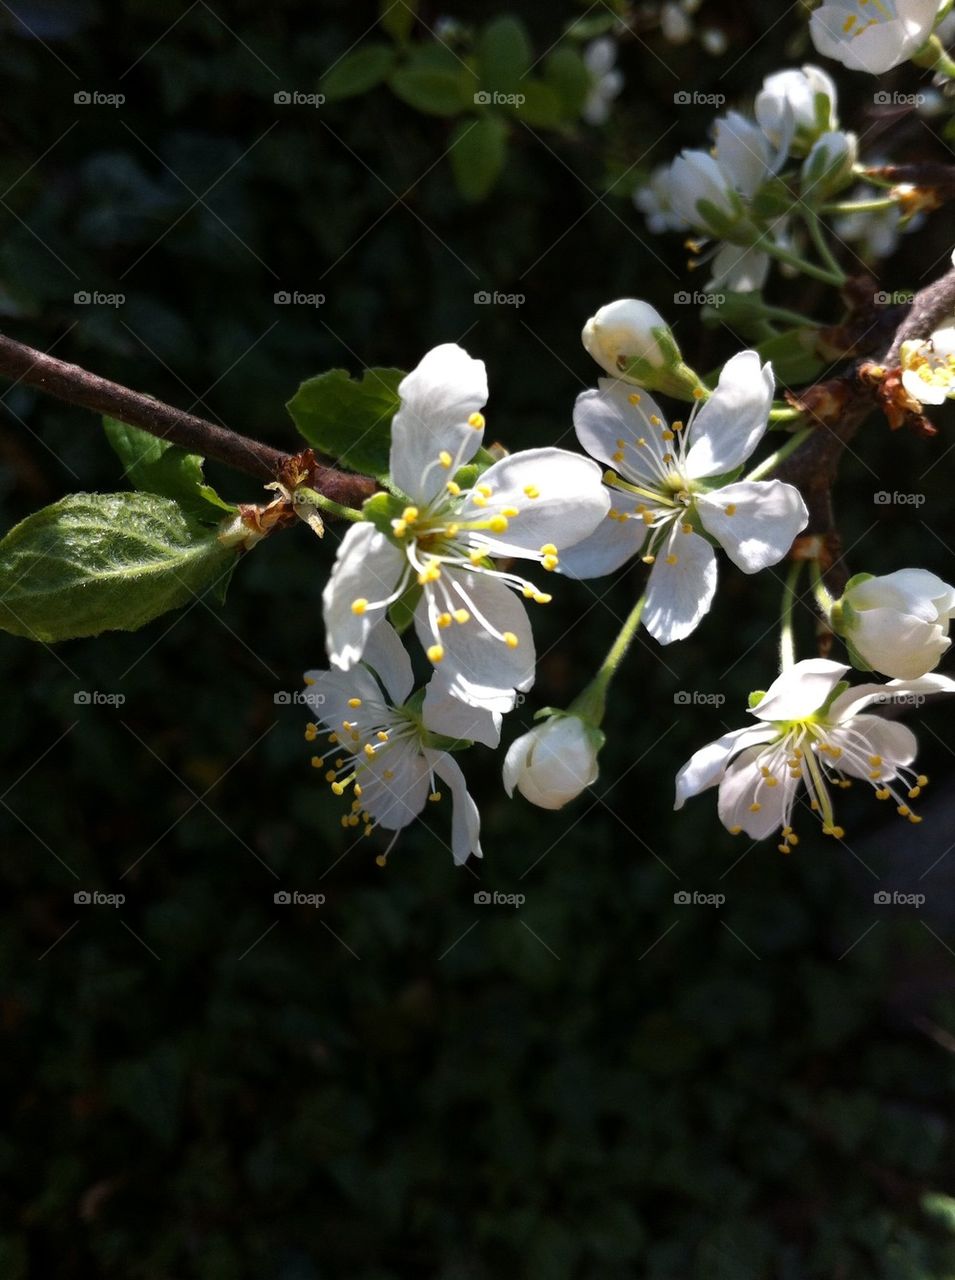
874 35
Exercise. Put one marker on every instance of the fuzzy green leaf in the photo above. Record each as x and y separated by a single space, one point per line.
349 419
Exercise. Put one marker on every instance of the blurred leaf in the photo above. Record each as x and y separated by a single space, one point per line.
358 71
398 17
436 82
477 153
541 106
566 74
104 562
160 467
503 55
793 357
347 419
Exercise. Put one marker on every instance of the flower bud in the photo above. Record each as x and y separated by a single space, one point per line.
796 107
828 167
554 762
631 340
896 624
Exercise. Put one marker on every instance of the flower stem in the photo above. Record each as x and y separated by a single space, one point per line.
787 639
591 704
818 236
875 205
823 597
786 414
316 499
807 268
783 452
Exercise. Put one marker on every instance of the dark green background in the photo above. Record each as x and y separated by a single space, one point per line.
602 1084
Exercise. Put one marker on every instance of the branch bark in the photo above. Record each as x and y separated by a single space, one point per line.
78 386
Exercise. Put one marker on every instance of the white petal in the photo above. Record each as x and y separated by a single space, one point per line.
389 659
465 818
445 714
925 392
743 785
914 591
705 767
894 742
611 544
395 801
767 516
571 500
367 567
897 644
437 399
801 690
679 595
481 670
614 412
731 423
741 268
329 693
853 700
743 151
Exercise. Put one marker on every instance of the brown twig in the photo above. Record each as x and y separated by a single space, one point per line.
78 386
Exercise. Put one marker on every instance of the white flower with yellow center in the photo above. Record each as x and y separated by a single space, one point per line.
928 368
873 35
668 488
386 746
812 732
470 616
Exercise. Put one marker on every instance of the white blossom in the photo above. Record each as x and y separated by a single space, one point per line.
811 731
606 80
897 623
470 616
554 762
387 747
928 368
874 36
669 489
794 107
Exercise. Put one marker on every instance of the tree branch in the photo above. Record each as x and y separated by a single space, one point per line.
78 386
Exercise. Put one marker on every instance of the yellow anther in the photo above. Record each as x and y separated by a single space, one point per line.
461 616
317 762
359 606
435 653
532 491
498 524
476 556
648 559
382 735
476 421
510 512
922 780
698 393
617 457
550 563
755 807
338 788
479 500
686 528
388 775
655 421
734 831
510 639
434 797
621 444
330 775
399 528
354 702
309 680
882 793
875 760
445 458
333 739
676 426
453 530
484 490
542 597
369 750
668 435
672 559
730 508
444 619
311 732
633 397
382 860
453 488
914 817
548 549
430 573
353 819
904 810
410 514
356 789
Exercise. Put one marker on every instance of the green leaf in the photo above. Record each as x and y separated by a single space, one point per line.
793 355
358 71
503 55
398 18
347 419
104 562
566 74
478 151
541 108
436 82
160 467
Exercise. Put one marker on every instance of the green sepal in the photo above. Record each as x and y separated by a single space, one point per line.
755 698
380 509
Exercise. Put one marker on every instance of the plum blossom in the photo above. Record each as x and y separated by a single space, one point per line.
896 623
469 613
554 762
668 490
388 746
606 80
794 107
812 731
928 368
873 35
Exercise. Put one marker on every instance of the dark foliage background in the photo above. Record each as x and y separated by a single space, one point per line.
602 1084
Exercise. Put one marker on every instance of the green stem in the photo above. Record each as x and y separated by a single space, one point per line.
316 499
823 597
787 639
769 464
934 56
874 205
818 235
591 704
791 317
786 414
807 268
